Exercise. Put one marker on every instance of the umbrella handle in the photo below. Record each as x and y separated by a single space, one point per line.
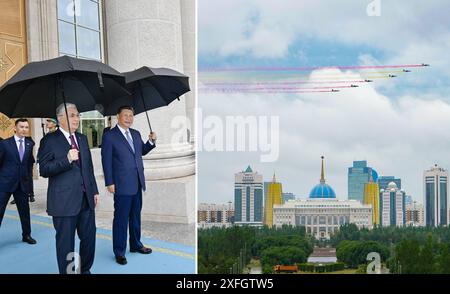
143 102
64 101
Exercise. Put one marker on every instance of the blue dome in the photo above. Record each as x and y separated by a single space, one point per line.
322 190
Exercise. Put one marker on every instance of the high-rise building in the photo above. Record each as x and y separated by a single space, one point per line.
274 191
248 198
414 214
383 182
392 206
372 197
266 189
215 215
358 175
436 196
408 200
287 196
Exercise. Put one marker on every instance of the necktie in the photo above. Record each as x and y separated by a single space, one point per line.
74 145
21 150
127 134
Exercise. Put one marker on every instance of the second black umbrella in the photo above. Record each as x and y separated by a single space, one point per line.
151 88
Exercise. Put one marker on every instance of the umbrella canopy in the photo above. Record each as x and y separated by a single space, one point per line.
39 87
151 88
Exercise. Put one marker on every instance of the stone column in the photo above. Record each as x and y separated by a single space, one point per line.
149 33
42 44
189 59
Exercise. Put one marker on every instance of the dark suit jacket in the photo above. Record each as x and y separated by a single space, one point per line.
13 172
64 194
121 166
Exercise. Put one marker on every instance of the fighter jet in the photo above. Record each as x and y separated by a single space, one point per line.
368 81
392 76
334 90
425 64
406 70
354 86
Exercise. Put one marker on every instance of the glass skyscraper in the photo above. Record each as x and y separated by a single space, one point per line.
436 197
248 198
358 175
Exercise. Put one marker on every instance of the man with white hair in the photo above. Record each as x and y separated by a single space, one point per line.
65 159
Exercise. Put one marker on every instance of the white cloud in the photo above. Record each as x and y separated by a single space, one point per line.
270 27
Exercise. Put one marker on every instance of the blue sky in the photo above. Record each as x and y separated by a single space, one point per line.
399 125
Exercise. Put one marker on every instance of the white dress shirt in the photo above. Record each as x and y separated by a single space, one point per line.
67 135
122 130
18 143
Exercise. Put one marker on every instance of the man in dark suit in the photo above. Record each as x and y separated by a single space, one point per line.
122 151
16 161
72 192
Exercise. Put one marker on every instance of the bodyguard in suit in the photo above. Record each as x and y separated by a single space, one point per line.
16 162
65 159
122 151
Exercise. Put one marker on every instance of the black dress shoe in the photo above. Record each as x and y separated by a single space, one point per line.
121 260
143 250
29 240
12 202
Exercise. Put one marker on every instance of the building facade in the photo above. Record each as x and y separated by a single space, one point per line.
274 192
322 217
414 214
372 198
392 205
358 175
215 215
436 197
248 198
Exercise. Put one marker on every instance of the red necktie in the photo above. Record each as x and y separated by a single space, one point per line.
74 145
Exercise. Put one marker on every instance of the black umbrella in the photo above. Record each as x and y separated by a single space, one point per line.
39 87
151 88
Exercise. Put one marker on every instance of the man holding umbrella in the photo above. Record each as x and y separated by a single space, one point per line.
16 162
122 151
65 158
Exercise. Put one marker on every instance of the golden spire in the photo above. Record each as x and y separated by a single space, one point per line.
322 175
274 180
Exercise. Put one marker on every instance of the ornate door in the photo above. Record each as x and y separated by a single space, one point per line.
13 49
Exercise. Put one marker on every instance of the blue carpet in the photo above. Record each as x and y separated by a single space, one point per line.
17 257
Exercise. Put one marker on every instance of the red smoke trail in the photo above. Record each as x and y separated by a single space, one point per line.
311 68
